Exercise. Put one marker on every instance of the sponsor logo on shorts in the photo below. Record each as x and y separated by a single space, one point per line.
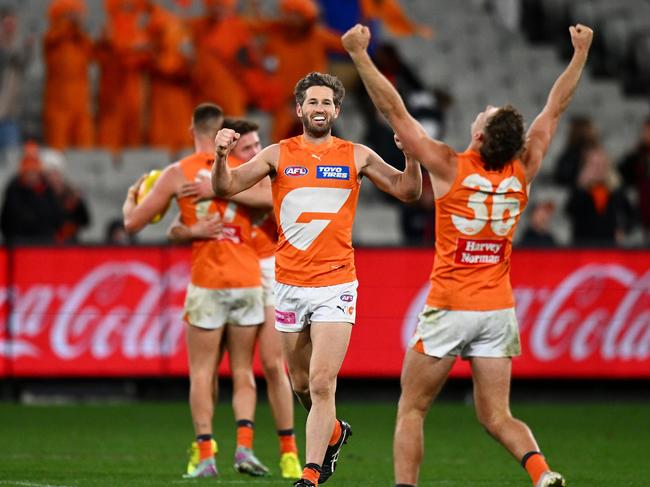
333 172
348 298
295 171
285 317
477 252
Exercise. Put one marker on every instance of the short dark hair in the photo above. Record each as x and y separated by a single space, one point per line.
240 125
203 114
503 138
319 79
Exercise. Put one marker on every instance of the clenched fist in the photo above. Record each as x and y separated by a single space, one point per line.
225 141
581 37
356 39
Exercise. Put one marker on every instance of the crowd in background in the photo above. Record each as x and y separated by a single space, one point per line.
155 66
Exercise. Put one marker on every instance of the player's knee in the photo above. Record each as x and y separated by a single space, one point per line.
492 422
322 385
272 368
299 383
243 378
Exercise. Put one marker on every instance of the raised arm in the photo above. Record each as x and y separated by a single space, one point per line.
404 185
543 128
435 156
138 214
227 182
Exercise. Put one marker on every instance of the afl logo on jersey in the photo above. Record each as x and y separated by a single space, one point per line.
296 171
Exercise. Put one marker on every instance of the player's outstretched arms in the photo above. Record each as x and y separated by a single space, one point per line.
138 214
227 182
435 156
541 131
404 185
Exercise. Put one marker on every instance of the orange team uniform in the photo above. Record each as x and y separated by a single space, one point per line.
122 56
68 51
228 262
265 237
171 98
475 222
315 193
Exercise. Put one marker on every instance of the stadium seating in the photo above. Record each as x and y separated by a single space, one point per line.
473 56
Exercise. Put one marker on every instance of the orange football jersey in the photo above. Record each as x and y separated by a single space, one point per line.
229 261
315 193
475 222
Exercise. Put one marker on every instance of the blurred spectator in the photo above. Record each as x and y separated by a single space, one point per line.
297 44
31 212
581 134
74 208
122 53
15 54
220 37
599 210
538 233
340 15
635 170
68 51
229 68
171 98
116 234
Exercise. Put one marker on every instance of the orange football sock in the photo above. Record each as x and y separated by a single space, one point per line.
245 433
205 449
311 472
535 464
336 433
287 441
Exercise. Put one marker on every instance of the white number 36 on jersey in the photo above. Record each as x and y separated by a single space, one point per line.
500 204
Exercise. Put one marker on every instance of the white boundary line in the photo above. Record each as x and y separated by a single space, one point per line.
23 483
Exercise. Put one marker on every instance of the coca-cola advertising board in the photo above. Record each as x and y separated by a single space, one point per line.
74 312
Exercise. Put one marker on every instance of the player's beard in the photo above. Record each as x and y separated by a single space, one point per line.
314 130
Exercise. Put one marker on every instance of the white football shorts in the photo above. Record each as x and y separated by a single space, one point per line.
267 266
297 307
449 333
213 308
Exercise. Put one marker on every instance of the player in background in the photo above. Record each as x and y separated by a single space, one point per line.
316 179
270 347
225 285
480 194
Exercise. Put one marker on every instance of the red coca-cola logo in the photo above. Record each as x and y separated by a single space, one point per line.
117 308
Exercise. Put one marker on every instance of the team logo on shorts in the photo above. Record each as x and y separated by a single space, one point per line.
285 317
347 298
295 171
333 172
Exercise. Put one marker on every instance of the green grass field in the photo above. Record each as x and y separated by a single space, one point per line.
144 445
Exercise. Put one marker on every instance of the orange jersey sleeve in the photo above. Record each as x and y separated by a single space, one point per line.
227 262
475 222
315 193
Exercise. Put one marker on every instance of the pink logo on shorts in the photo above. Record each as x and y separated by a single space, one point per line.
348 298
285 317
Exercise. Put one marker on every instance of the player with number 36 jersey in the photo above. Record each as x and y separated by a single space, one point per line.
480 194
